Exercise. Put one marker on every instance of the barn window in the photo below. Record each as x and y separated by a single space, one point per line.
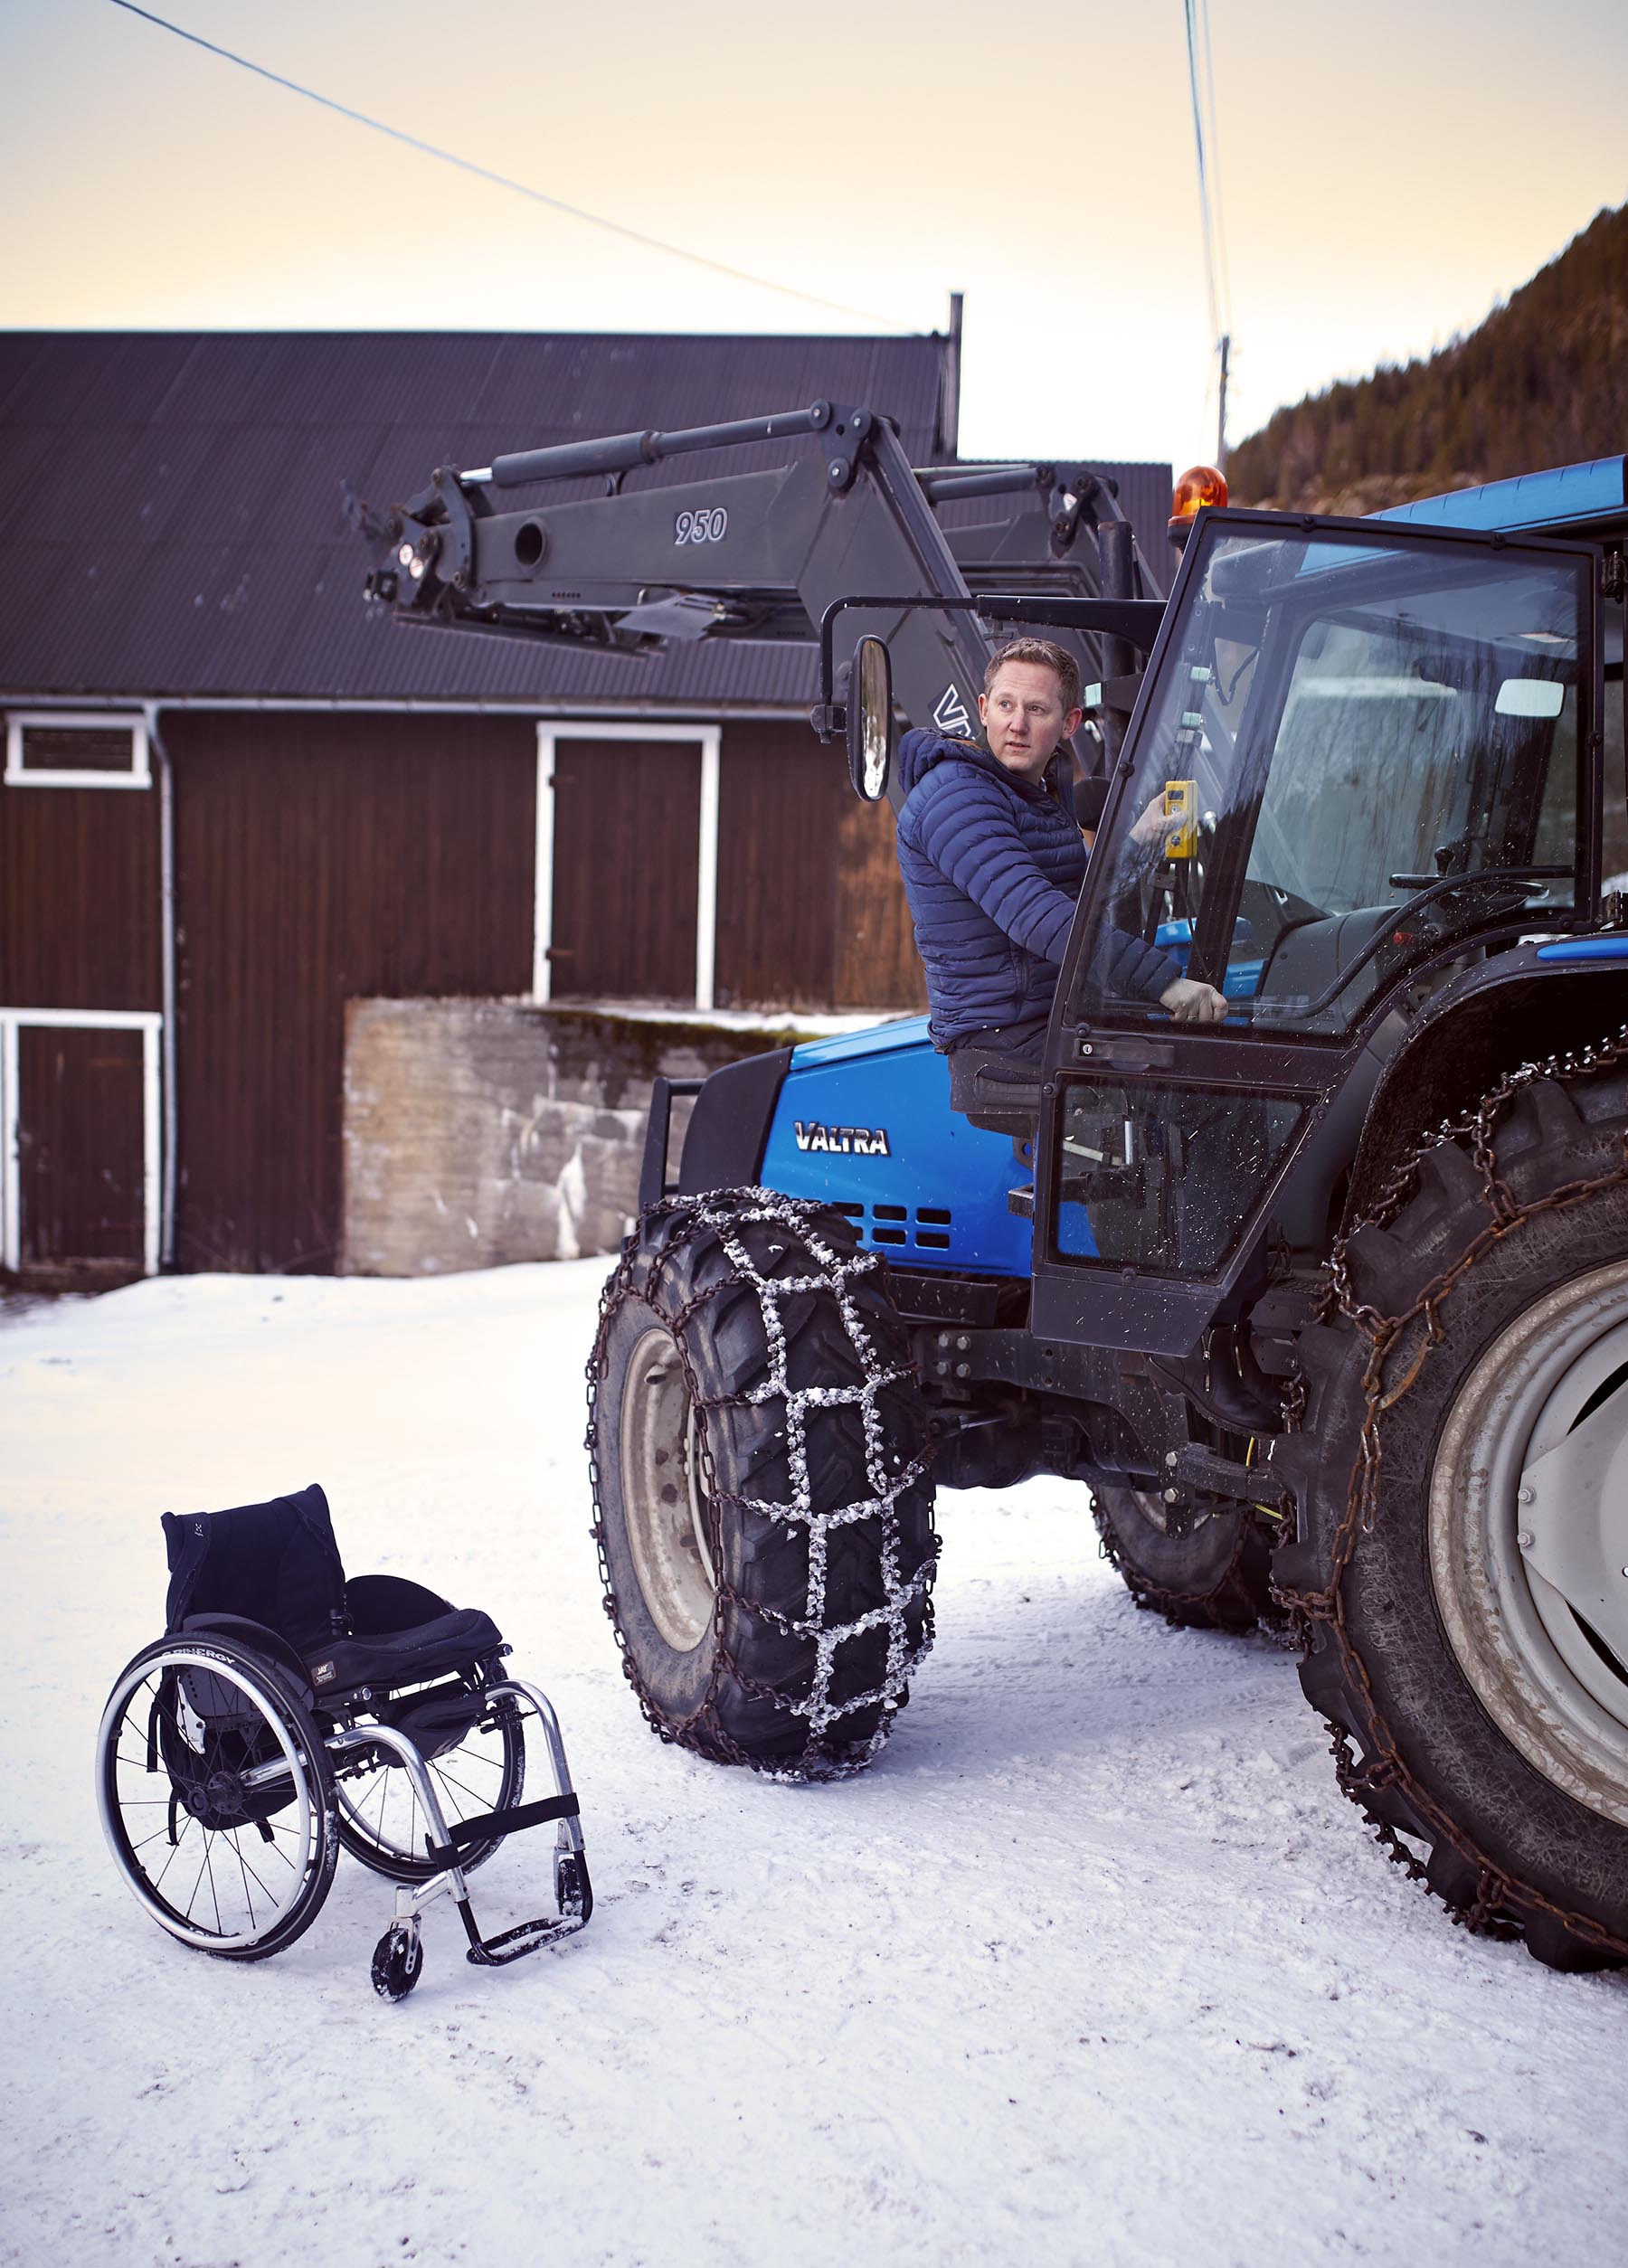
53 750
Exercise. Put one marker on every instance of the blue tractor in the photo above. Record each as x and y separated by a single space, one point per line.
1326 1306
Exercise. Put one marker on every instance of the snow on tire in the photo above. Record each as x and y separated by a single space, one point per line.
1469 1653
757 1440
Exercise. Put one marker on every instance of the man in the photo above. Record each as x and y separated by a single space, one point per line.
993 859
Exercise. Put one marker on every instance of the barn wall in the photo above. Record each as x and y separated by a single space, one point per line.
811 912
319 858
780 803
877 962
322 858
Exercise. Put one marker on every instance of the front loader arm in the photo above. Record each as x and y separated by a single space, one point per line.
758 555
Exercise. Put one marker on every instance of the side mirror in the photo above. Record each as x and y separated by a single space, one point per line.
870 720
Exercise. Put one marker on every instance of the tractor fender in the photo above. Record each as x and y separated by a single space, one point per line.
728 1131
1514 1009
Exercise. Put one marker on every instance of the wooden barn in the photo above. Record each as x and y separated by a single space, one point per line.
236 799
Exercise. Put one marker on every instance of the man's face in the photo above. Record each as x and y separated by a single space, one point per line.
1024 718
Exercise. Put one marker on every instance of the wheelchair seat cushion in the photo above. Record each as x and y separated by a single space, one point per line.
403 1658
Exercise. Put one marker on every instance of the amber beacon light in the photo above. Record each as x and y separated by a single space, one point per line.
1199 486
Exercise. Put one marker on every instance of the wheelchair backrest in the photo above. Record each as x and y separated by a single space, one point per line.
276 1563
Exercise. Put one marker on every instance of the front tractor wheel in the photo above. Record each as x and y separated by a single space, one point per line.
763 1512
1464 1550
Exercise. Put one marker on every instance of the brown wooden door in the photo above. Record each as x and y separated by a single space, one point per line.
320 859
625 829
80 1147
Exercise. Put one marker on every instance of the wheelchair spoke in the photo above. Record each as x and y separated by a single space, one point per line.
247 1870
444 1780
170 1861
196 1885
213 1894
383 1817
243 1870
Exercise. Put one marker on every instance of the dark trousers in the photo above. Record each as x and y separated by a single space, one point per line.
1025 1040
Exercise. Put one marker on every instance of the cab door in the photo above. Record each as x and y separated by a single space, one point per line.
1357 765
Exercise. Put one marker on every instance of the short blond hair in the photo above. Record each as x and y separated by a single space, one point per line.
1041 651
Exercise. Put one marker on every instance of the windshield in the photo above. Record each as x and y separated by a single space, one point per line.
1356 750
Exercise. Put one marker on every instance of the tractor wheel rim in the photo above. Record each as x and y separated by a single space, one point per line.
663 1493
1528 1534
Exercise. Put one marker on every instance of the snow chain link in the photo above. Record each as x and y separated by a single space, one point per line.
1174 1604
722 1215
1382 1766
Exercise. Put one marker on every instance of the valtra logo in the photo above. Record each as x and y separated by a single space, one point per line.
853 1141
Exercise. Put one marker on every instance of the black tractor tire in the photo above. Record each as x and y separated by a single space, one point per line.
1425 1649
764 1513
1218 1577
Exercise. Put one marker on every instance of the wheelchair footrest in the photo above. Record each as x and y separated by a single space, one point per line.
525 1937
574 1892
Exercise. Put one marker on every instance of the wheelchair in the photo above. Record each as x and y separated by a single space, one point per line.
287 1712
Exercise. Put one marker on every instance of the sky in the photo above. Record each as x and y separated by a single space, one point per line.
1385 176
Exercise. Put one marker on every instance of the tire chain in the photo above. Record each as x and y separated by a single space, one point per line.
1155 1597
1490 1912
719 1214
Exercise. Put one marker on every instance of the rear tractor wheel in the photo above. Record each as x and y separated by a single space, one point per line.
762 1511
1463 1557
1215 1577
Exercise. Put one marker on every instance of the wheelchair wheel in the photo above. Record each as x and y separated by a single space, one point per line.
381 1819
216 1797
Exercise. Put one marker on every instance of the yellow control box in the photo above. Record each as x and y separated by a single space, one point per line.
1181 817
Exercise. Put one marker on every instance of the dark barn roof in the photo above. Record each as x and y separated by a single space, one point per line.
176 517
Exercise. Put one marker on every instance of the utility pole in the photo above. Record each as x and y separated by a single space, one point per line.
1221 419
949 372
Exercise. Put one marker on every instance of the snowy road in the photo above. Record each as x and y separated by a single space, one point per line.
1096 1966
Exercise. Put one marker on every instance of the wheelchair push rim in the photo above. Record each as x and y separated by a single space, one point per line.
223 1827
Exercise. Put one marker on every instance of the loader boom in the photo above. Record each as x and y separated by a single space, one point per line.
760 555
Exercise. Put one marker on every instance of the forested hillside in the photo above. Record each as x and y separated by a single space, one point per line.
1544 381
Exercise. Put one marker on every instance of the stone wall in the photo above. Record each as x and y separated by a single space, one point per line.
482 1131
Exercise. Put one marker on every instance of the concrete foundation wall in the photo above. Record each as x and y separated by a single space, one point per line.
479 1132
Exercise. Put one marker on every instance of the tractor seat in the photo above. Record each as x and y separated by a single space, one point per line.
999 1094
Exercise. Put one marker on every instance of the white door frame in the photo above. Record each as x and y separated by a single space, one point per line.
150 1024
708 737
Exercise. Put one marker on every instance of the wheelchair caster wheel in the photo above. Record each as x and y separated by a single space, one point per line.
573 1893
397 1962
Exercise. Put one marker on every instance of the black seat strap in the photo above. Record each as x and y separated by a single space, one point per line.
507 1822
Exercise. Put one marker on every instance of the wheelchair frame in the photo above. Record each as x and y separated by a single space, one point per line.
215 1735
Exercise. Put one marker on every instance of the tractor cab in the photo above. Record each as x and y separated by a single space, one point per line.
1355 771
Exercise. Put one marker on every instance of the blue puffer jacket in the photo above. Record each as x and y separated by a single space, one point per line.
992 867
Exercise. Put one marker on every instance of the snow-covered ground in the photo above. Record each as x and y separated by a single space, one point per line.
1095 1967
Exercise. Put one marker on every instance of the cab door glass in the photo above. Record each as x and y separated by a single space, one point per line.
1357 751
1160 1177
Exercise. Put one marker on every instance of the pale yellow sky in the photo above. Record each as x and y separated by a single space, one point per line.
1386 175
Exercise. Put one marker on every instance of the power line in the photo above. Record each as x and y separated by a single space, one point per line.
1224 277
503 181
1201 86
